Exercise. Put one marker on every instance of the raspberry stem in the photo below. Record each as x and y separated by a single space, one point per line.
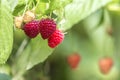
24 43
37 4
25 8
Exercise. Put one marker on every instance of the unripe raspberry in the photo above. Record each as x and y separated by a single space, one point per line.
29 16
18 21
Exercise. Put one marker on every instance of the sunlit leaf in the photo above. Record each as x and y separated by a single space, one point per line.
6 31
80 9
36 51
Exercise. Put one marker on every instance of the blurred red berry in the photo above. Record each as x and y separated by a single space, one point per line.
73 60
105 65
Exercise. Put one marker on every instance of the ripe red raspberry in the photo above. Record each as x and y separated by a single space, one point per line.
47 27
73 60
55 39
31 29
105 65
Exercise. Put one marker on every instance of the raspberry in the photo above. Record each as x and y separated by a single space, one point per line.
109 30
73 60
105 65
29 16
47 27
55 39
31 29
18 22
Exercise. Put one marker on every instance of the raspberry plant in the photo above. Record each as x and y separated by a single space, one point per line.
89 28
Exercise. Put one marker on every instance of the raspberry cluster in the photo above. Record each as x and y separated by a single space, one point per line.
46 27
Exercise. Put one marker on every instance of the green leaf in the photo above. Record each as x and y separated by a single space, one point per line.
6 31
4 77
40 7
20 7
46 1
12 3
57 5
36 51
39 52
80 9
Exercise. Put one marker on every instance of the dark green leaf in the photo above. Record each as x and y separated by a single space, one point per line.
46 1
20 7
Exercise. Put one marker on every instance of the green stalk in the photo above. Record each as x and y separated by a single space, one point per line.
114 12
